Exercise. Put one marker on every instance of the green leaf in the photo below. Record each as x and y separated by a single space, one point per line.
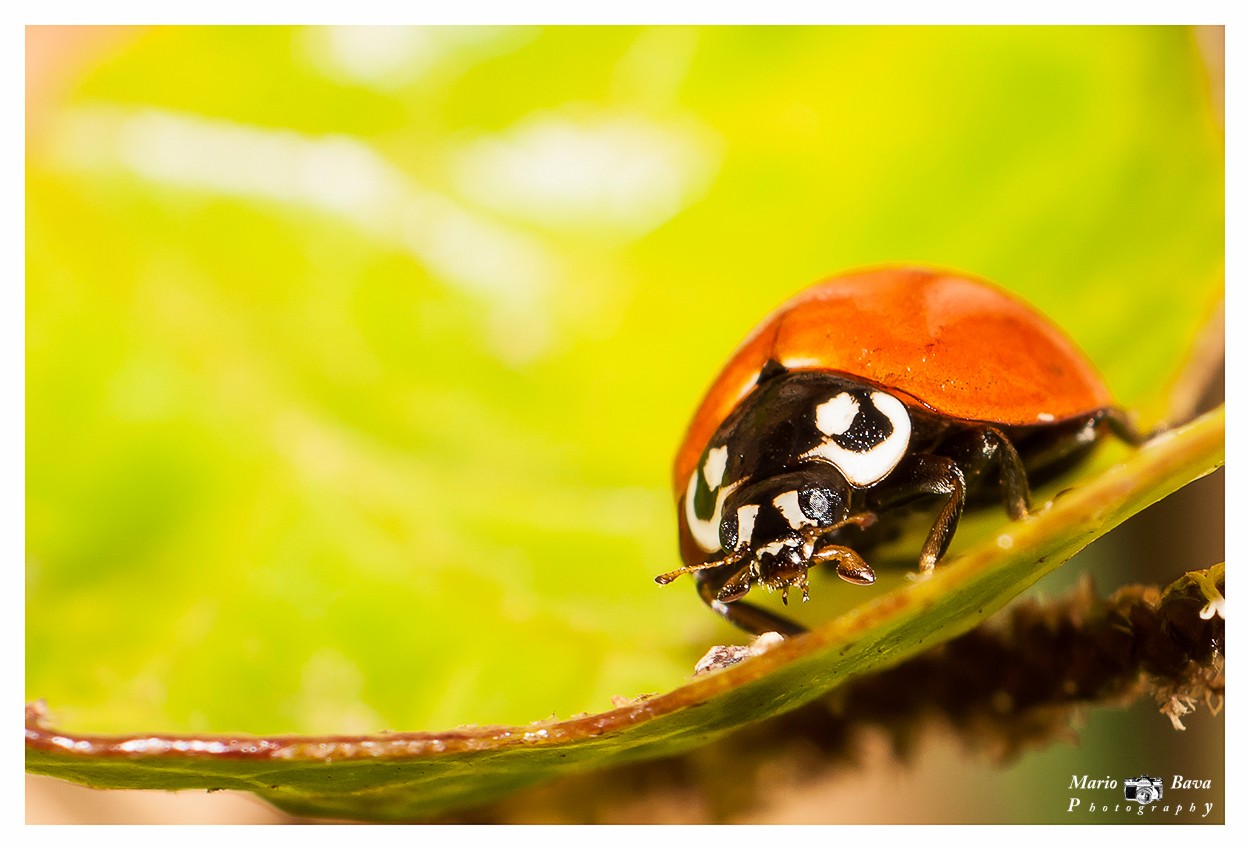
412 776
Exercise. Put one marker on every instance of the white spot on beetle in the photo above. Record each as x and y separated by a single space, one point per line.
788 504
746 522
706 532
772 548
836 415
863 469
714 468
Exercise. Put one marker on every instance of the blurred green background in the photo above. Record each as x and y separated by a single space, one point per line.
356 358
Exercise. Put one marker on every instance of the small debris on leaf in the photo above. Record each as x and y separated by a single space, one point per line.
720 657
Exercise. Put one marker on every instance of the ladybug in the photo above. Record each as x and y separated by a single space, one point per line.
859 401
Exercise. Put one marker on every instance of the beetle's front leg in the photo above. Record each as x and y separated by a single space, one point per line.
847 563
927 475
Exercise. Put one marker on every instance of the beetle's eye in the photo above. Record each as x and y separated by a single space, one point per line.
819 504
729 532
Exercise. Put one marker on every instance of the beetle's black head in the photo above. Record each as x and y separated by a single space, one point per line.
773 529
779 522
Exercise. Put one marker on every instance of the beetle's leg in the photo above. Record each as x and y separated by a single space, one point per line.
732 584
977 449
1119 424
849 565
928 475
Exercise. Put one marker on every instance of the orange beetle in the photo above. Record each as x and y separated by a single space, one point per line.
857 397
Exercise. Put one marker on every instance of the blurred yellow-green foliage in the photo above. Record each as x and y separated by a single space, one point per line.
356 358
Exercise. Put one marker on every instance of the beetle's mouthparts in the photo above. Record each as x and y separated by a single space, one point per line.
784 584
784 569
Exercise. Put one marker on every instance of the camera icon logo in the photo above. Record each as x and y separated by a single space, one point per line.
1144 789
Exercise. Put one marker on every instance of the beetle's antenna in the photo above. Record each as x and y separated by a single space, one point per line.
731 558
